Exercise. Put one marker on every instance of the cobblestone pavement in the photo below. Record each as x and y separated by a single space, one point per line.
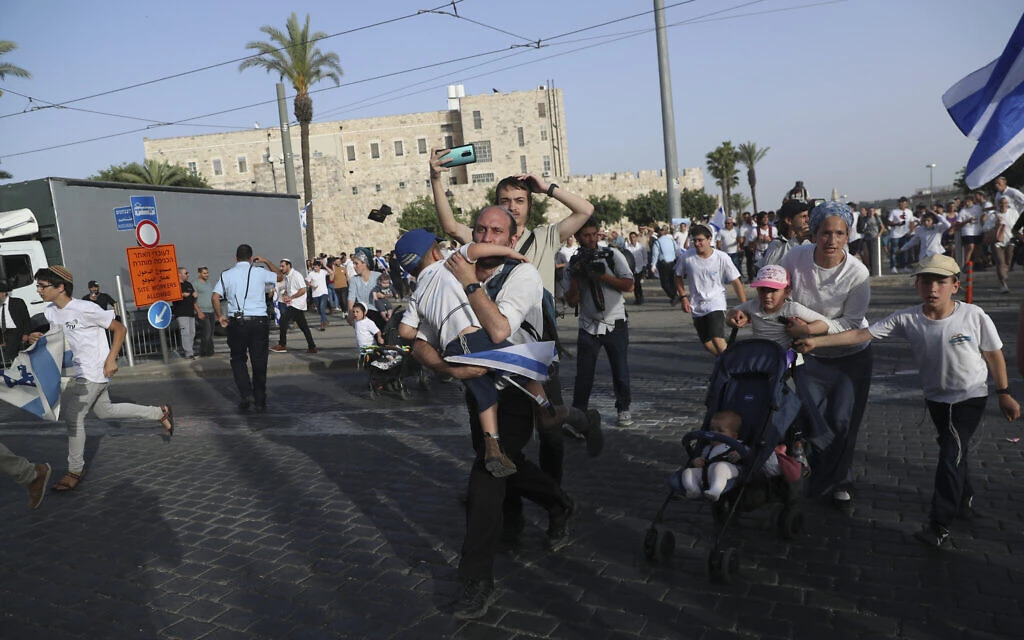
338 516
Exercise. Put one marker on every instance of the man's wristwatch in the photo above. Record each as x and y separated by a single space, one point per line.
1003 392
551 189
471 287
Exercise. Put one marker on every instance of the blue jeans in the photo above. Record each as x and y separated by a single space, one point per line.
897 260
321 306
616 345
332 296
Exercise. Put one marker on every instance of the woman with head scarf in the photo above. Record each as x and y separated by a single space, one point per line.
828 280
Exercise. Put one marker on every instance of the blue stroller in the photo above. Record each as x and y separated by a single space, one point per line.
750 379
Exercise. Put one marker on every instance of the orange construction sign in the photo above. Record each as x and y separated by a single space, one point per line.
154 274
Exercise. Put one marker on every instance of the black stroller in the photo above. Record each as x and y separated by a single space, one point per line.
389 364
750 379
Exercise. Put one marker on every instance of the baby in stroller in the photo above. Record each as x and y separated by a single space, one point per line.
710 473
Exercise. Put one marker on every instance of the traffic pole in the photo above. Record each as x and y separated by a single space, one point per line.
970 282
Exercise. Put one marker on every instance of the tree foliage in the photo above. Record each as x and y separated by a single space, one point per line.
152 172
420 213
749 154
8 69
607 209
738 202
721 165
697 205
295 57
648 209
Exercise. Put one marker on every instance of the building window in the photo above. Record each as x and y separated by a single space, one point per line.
446 128
522 163
483 151
377 187
478 121
399 149
374 150
401 185
449 142
243 165
421 145
350 152
522 136
547 163
483 178
218 168
543 134
193 168
542 110
355 191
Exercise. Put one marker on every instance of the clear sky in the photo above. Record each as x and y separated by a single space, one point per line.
847 94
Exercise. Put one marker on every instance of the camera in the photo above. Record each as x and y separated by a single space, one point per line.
591 263
238 316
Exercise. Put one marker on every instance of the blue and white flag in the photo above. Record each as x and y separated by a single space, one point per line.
718 219
33 380
302 214
988 106
530 360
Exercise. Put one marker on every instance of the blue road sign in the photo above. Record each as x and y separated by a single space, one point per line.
124 218
159 315
143 208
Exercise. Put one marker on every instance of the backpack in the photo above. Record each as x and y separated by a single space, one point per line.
628 255
862 223
549 330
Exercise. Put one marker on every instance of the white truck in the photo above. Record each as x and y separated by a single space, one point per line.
87 226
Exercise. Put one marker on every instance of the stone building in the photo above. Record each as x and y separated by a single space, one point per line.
358 165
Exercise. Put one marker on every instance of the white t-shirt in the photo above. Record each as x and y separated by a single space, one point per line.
640 255
772 326
972 214
749 234
566 253
318 280
85 327
708 277
1008 219
841 294
439 308
293 282
930 240
597 322
854 235
947 351
350 268
728 240
897 216
680 238
366 332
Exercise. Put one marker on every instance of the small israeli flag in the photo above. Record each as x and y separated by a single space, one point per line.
33 380
988 106
718 219
529 360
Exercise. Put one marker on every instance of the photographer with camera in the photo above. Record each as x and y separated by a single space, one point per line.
598 278
244 287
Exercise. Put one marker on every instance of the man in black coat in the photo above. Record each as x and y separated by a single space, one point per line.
14 324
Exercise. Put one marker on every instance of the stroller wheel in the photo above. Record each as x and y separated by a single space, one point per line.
791 522
403 392
665 545
715 565
650 544
723 564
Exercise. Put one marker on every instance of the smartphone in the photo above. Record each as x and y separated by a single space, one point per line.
458 156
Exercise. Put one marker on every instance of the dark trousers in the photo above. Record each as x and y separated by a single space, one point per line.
748 254
486 498
667 278
205 334
839 387
299 317
955 423
638 287
249 339
551 449
12 345
616 346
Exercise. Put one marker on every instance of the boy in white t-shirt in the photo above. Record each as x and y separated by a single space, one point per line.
85 325
927 236
367 332
708 271
956 347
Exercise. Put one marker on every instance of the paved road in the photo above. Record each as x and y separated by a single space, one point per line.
337 516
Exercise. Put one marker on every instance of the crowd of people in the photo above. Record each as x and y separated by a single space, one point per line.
499 284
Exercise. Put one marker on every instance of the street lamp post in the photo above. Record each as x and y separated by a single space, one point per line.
931 181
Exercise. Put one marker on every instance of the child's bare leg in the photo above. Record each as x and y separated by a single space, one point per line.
495 461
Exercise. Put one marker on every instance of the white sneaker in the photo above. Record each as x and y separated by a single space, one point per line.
1005 289
895 270
625 419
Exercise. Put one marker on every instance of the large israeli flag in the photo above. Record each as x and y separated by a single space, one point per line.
988 106
33 380
530 360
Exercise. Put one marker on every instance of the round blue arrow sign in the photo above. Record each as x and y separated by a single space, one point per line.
159 315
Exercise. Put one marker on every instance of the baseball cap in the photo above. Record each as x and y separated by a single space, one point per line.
93 283
412 246
772 276
939 265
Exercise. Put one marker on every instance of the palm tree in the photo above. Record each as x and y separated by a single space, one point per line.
8 69
749 154
4 175
152 172
721 165
294 56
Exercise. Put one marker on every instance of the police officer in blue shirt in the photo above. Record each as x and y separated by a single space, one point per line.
243 287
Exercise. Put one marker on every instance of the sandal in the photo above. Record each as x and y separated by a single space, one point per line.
167 420
69 481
